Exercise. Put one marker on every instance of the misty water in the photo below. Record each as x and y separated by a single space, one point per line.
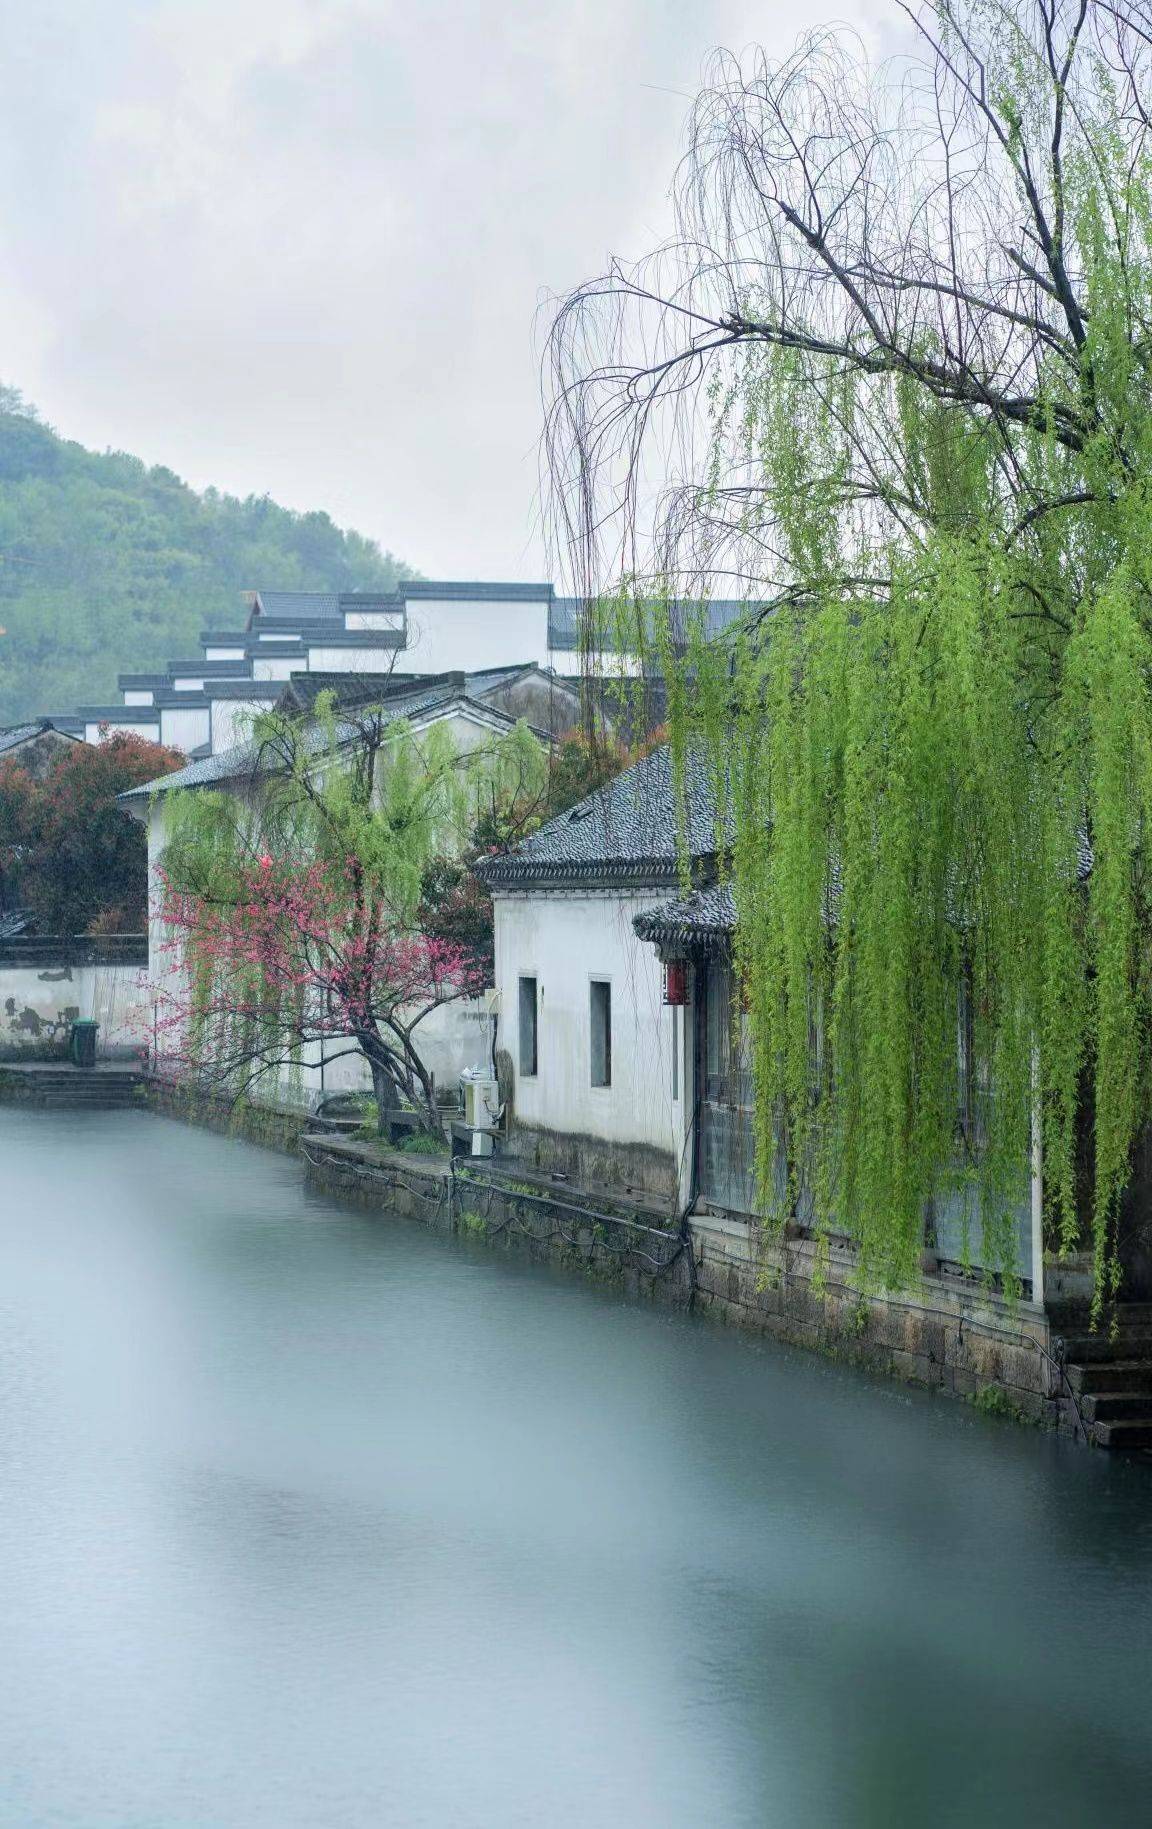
309 1517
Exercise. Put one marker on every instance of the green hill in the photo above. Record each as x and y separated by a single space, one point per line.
107 566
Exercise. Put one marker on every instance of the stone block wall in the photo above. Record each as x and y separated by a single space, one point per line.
595 1161
944 1334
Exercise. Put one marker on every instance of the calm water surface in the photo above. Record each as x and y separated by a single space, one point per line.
309 1518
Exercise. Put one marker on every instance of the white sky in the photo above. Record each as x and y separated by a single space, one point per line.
298 246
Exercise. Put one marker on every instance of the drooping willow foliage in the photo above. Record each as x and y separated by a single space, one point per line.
891 387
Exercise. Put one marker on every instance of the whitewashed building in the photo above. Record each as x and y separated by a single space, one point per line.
621 1043
597 1062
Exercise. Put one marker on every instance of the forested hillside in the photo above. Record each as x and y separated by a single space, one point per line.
107 566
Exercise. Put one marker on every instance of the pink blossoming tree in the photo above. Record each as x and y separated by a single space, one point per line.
293 906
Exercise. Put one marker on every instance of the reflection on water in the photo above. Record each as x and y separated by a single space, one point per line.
310 1518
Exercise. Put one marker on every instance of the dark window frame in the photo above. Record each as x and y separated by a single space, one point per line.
600 1033
528 1026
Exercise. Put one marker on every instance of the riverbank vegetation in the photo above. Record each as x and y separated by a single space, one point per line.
895 371
71 860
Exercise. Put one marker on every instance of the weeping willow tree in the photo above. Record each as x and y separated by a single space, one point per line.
890 385
295 902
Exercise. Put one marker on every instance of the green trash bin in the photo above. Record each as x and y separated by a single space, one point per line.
82 1042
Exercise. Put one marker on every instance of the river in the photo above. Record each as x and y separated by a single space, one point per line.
309 1517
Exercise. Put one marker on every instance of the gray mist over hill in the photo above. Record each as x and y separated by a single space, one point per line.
297 247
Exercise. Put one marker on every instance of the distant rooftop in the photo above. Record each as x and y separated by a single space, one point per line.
452 591
16 735
417 700
317 606
301 690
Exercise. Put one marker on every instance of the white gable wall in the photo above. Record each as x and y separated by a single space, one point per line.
352 660
275 666
185 727
232 721
444 634
373 619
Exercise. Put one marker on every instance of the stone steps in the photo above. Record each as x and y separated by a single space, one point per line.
70 1088
1095 1379
1117 1407
1105 1349
1129 1435
1111 1373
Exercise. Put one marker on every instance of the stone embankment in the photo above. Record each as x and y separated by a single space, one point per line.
60 1087
950 1333
513 1206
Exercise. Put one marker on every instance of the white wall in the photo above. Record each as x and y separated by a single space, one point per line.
232 721
185 727
444 634
37 1004
276 666
564 940
373 619
455 1036
140 697
224 654
571 662
99 732
354 660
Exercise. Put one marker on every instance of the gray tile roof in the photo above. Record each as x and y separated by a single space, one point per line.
625 833
118 714
453 591
243 759
243 689
298 606
16 734
320 606
201 669
698 921
205 771
19 733
69 722
301 690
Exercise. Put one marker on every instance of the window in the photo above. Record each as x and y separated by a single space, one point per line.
600 1011
528 1027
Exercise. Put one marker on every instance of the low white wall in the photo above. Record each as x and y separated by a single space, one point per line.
39 1002
456 1036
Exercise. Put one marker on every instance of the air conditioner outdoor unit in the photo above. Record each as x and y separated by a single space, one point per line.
481 1101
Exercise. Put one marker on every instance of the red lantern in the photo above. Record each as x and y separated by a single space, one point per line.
676 982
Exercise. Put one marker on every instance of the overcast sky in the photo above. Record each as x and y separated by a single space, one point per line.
298 246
